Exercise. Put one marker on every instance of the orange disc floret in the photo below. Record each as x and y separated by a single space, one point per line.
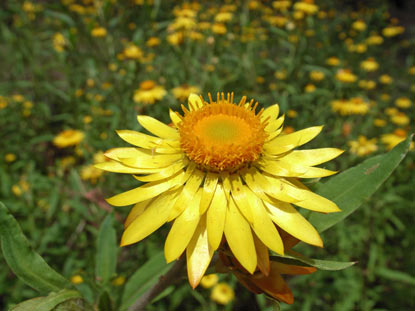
221 135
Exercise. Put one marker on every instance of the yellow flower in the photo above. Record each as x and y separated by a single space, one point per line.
333 61
309 88
149 92
369 64
306 7
99 32
77 279
400 119
392 139
367 84
133 52
393 31
221 169
3 102
281 5
10 157
352 106
379 122
222 293
292 113
385 79
223 17
359 25
153 41
316 75
363 146
403 102
120 280
68 138
345 76
209 280
374 40
281 74
219 28
411 71
183 92
59 42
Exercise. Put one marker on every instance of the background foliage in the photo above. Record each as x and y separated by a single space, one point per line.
79 65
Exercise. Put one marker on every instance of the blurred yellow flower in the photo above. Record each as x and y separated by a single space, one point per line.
369 64
59 42
363 146
209 171
385 79
222 293
307 7
209 280
68 138
379 122
132 51
393 31
403 102
98 32
345 76
119 281
76 279
359 25
281 74
219 28
367 84
183 92
309 88
281 5
292 113
374 40
10 157
149 92
352 106
223 17
392 139
411 71
316 75
400 119
333 61
153 41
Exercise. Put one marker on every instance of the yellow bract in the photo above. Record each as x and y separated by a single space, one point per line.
222 173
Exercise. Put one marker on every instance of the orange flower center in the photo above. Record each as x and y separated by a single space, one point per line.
147 85
222 136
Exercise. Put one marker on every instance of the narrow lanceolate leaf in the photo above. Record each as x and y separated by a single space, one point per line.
107 249
352 187
146 276
49 302
296 259
28 265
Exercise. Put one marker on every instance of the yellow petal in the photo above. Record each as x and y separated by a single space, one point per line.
239 196
149 161
262 224
313 157
274 125
270 113
284 143
139 139
291 221
164 173
281 168
187 195
226 184
146 191
216 215
195 101
158 128
174 117
182 230
209 187
316 172
302 197
239 237
136 211
127 152
153 217
263 255
198 254
116 167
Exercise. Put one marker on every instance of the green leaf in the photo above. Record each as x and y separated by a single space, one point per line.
107 249
395 275
47 303
293 258
355 185
143 278
28 265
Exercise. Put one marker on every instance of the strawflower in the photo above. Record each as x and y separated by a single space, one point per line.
220 170
68 138
222 293
149 92
363 146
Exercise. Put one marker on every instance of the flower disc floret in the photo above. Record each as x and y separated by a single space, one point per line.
222 136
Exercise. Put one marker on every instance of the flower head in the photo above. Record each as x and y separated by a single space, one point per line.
68 138
149 92
224 173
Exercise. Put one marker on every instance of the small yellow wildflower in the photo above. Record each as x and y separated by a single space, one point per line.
153 41
369 64
359 25
374 40
309 88
183 92
10 157
76 279
59 42
379 122
363 146
393 31
307 7
403 102
133 52
149 92
292 113
392 139
333 61
345 76
400 119
68 138
316 75
385 79
222 293
119 281
219 28
99 32
209 280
